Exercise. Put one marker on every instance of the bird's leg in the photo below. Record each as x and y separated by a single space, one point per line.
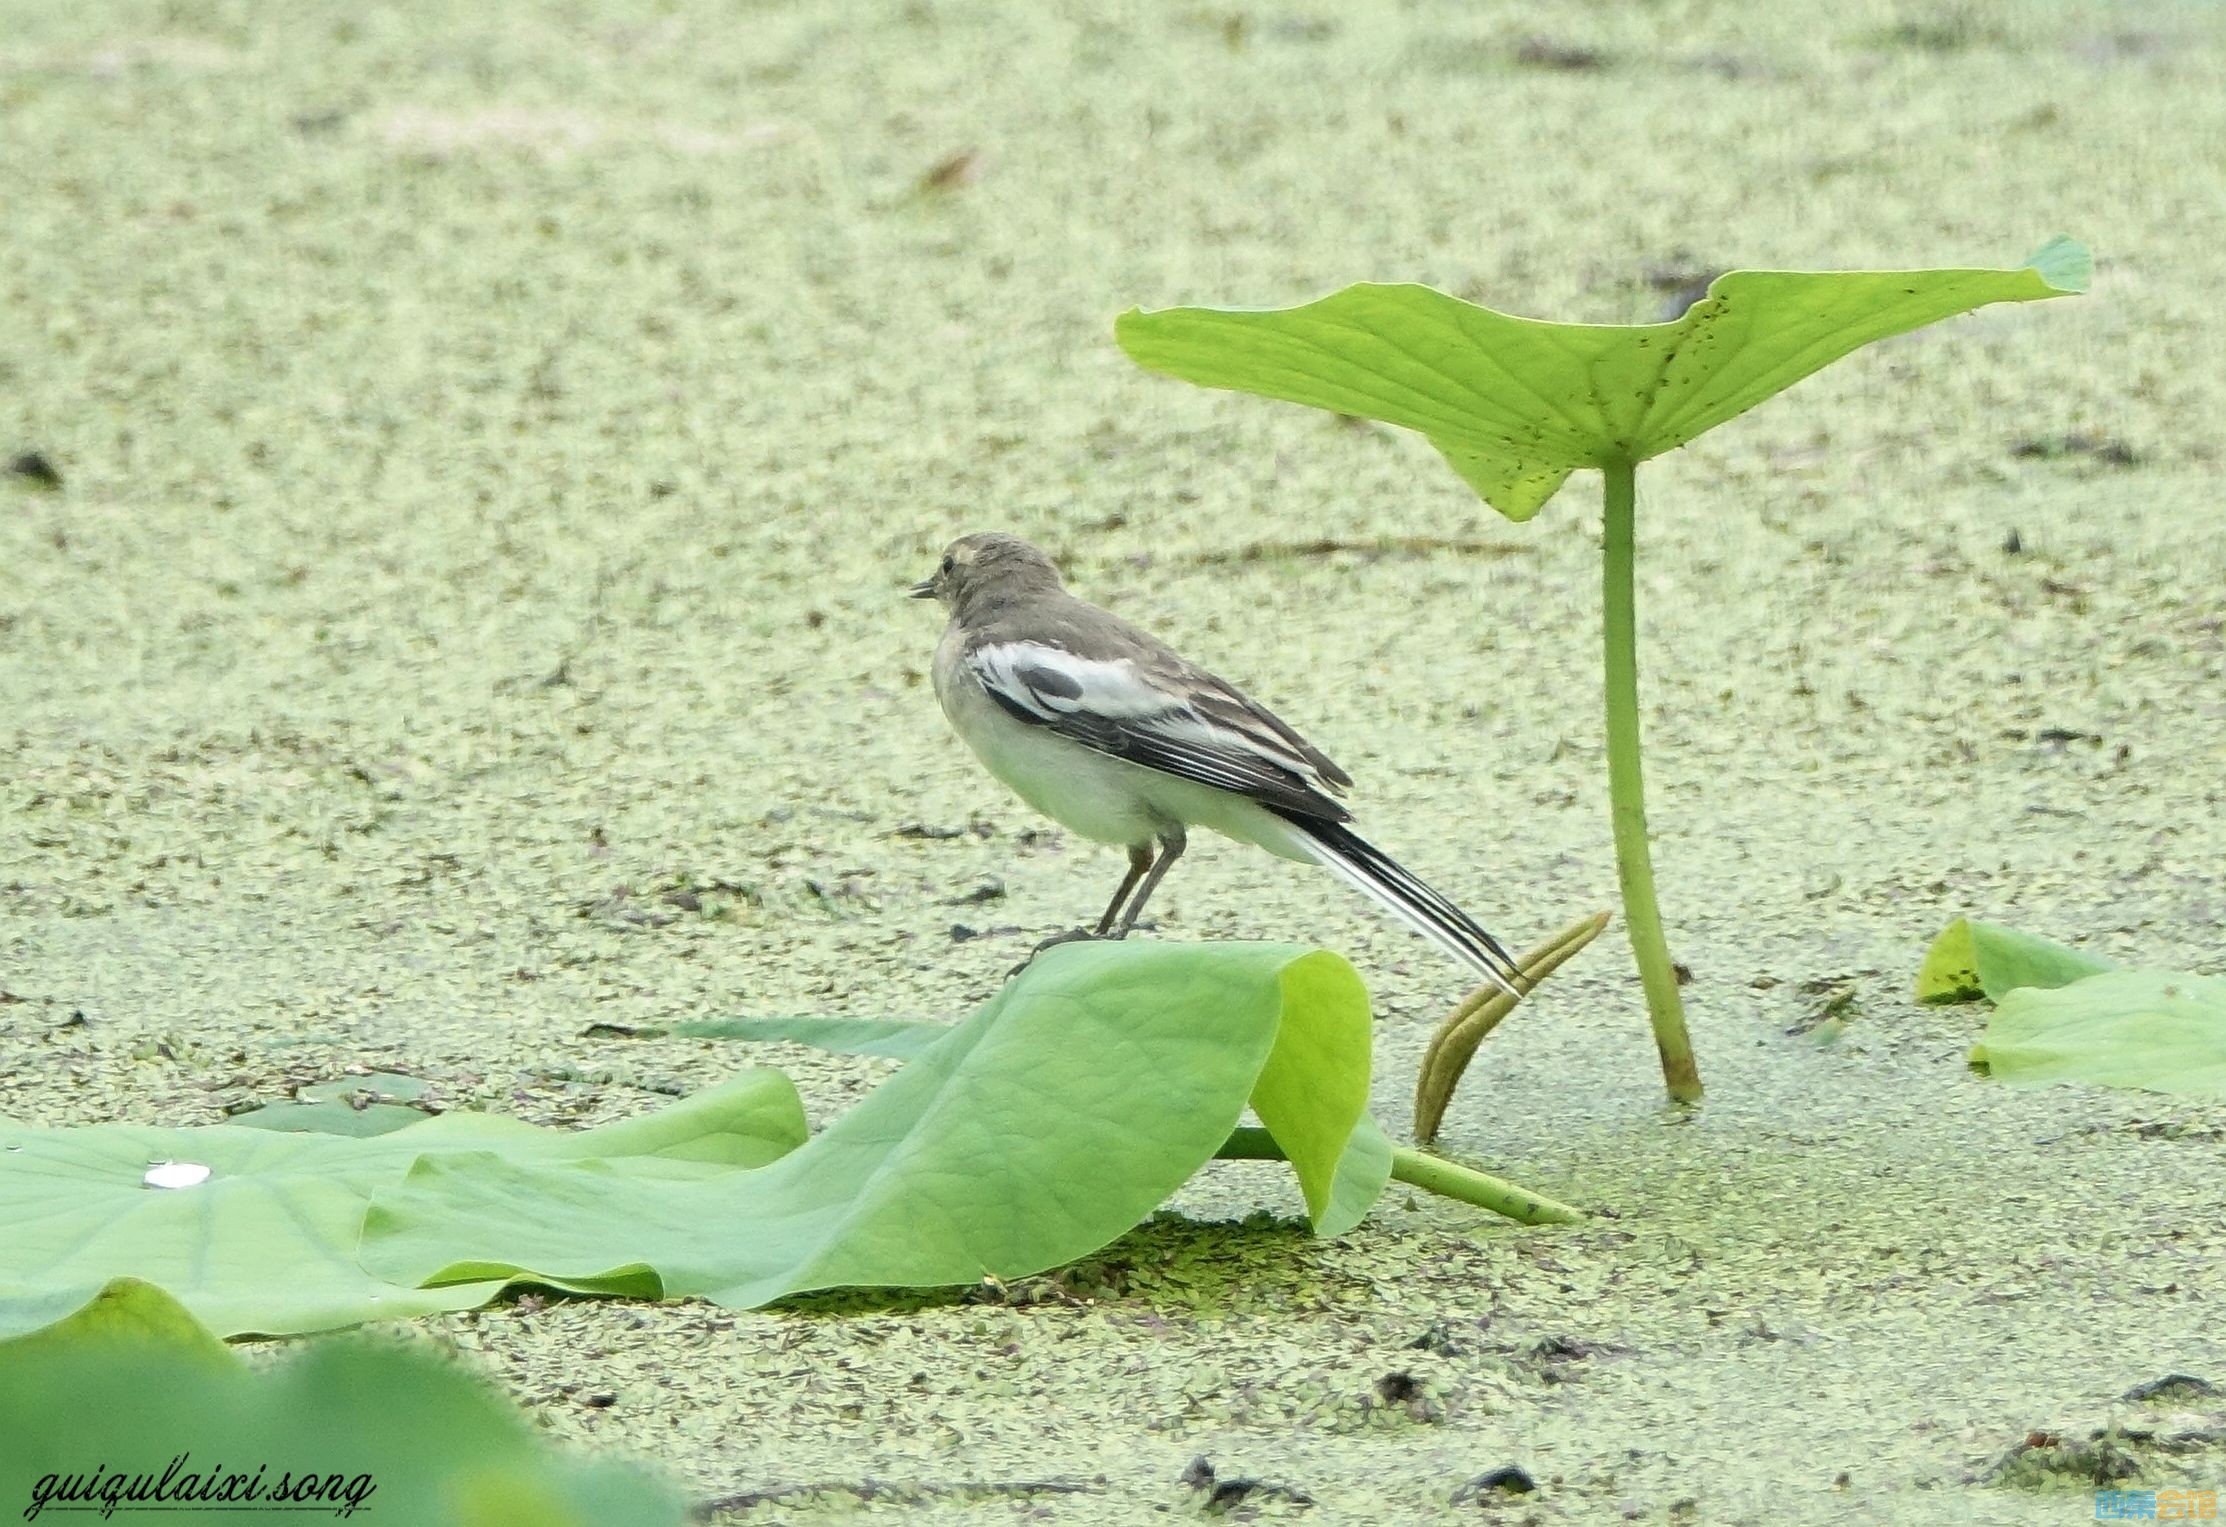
1141 866
1139 860
1171 845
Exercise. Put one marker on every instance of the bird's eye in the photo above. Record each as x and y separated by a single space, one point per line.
947 567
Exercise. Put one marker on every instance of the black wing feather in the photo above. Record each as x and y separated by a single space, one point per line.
1050 698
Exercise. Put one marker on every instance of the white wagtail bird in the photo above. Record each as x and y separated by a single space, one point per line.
1108 732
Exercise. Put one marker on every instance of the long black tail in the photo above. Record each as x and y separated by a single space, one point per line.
1379 877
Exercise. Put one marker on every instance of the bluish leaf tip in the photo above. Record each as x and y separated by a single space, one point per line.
2064 263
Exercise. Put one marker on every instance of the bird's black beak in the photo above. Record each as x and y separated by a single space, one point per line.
924 589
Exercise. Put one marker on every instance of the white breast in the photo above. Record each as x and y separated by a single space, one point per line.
1107 800
1101 798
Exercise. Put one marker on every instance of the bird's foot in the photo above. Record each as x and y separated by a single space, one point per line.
1071 936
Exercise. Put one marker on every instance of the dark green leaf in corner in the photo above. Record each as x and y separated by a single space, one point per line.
401 1437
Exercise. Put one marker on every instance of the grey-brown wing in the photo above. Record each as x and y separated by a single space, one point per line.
1155 711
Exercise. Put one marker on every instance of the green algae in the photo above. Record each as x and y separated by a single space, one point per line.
493 447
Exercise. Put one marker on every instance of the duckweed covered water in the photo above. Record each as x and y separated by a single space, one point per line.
491 452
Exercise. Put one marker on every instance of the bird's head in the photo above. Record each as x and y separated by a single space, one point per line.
985 568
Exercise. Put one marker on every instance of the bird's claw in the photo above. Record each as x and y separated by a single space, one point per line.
1071 936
